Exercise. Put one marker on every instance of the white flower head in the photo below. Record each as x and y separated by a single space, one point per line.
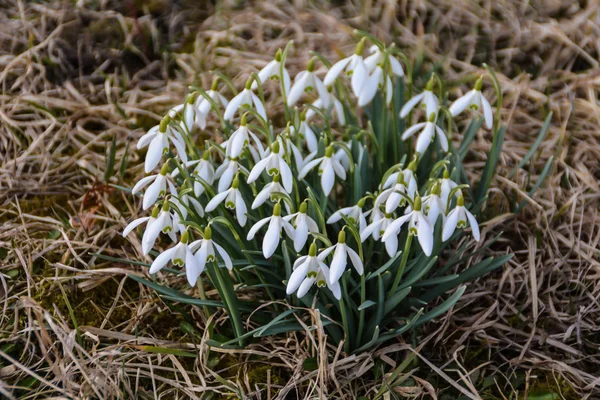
157 188
474 100
158 138
245 98
428 132
159 221
427 99
207 250
233 201
460 217
340 258
433 205
338 107
273 234
373 83
306 133
204 171
180 255
268 192
354 66
240 139
226 172
308 81
377 57
354 213
274 163
395 196
377 228
273 71
446 186
418 226
203 105
309 270
303 225
329 167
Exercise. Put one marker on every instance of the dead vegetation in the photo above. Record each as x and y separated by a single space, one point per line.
74 77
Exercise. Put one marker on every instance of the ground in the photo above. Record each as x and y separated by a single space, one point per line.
79 76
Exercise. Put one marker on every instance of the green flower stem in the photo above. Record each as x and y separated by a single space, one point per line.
225 288
402 265
361 318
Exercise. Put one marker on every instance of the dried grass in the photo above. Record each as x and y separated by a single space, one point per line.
73 77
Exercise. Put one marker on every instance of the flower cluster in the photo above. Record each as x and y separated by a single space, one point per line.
324 174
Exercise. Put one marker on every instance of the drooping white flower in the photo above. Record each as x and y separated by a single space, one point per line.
245 98
203 105
182 201
354 213
474 100
158 138
274 164
338 107
446 186
343 157
303 225
373 83
459 217
159 221
233 201
340 258
288 146
410 181
395 196
204 171
329 167
354 66
226 172
434 206
205 251
309 270
273 71
377 228
186 112
268 192
273 234
418 226
377 57
180 255
307 81
158 187
241 138
427 99
429 130
307 134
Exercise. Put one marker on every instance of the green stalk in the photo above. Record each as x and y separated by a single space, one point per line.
227 294
361 318
402 265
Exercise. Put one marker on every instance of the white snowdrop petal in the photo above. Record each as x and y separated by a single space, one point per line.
355 259
406 108
162 260
425 235
256 227
450 224
474 225
218 199
335 71
271 239
296 278
224 256
412 130
487 112
134 224
305 286
338 264
462 103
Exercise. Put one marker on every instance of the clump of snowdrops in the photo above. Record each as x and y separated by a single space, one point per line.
342 203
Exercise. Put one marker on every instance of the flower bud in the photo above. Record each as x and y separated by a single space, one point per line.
277 210
417 204
342 236
208 233
312 251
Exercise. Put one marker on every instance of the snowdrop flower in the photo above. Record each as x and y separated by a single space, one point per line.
204 171
186 112
159 221
429 130
434 206
372 84
377 228
307 81
239 139
447 185
343 158
340 259
206 251
273 234
418 226
457 218
303 224
354 213
427 100
395 196
306 133
268 192
181 256
354 66
475 100
158 138
273 163
183 201
226 172
203 105
329 167
272 71
410 181
377 57
156 189
233 201
245 98
309 270
337 107
289 147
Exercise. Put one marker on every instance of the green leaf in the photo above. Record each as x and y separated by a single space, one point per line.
385 266
491 164
537 185
442 308
110 160
533 149
366 304
417 273
392 302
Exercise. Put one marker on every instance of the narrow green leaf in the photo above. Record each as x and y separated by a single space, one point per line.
537 185
442 308
540 138
366 304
